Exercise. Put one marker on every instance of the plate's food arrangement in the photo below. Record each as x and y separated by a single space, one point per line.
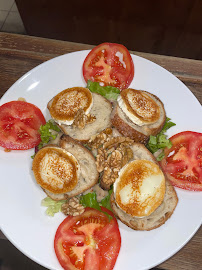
103 155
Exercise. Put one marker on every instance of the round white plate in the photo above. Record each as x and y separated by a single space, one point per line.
23 219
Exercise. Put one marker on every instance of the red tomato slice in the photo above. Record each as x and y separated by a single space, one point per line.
88 241
19 125
111 64
183 161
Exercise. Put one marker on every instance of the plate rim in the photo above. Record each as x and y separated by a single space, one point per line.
62 56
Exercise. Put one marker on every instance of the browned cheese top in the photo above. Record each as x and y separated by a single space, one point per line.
66 104
141 105
55 170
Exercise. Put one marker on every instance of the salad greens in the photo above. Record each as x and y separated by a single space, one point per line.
106 201
87 200
46 132
160 141
108 92
52 206
90 200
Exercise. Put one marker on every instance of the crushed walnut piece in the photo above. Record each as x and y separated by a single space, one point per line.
100 159
7 150
98 140
126 152
72 207
21 99
112 167
114 160
115 141
81 119
111 157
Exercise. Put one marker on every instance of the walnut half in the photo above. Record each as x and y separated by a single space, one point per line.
98 140
112 156
72 207
81 119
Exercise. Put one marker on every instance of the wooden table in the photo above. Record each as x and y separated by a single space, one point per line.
19 54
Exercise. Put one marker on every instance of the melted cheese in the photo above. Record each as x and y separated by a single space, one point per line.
66 104
56 170
140 188
139 107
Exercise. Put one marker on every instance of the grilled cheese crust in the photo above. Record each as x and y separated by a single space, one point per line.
56 170
162 213
141 126
139 106
66 104
140 188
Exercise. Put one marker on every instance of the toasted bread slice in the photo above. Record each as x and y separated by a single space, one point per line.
139 152
161 214
138 133
101 109
89 174
156 219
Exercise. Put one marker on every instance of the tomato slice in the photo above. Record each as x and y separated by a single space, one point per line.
111 64
88 241
183 161
19 125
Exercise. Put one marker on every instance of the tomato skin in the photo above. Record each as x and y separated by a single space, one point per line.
103 65
88 241
182 163
19 125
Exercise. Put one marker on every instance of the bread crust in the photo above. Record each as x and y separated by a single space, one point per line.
126 130
139 134
65 139
89 175
162 213
101 109
156 219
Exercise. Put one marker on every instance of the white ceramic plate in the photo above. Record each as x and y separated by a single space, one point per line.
22 219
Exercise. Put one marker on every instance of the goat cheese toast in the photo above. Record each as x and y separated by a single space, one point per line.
143 198
138 114
80 113
60 177
106 142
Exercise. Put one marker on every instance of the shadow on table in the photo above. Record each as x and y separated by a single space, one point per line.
12 259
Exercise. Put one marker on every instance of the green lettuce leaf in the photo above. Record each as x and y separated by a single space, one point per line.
46 132
160 141
168 124
90 200
108 92
106 201
52 206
